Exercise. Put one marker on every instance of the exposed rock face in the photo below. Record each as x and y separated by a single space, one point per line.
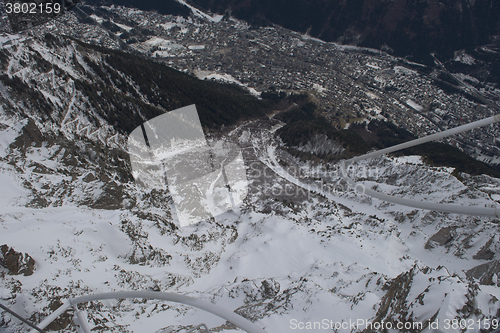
441 238
63 321
485 252
393 304
486 273
425 296
16 262
270 288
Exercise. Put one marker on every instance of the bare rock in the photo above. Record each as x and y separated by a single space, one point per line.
16 262
485 273
62 321
395 297
485 252
270 288
441 238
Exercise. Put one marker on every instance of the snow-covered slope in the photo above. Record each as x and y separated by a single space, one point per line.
288 258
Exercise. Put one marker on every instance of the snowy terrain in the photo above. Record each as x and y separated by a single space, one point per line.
302 248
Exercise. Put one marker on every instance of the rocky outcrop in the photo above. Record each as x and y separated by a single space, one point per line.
15 262
486 274
425 296
269 288
393 304
485 252
441 238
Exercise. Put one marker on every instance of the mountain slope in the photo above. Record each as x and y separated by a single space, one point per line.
409 27
122 89
290 252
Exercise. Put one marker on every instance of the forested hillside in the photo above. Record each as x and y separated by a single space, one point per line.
127 90
408 28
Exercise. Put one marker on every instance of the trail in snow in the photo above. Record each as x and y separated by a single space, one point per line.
70 107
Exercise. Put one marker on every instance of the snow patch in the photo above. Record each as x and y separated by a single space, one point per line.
404 70
216 18
123 26
196 47
207 75
371 95
414 159
319 88
461 56
96 18
163 44
372 65
414 105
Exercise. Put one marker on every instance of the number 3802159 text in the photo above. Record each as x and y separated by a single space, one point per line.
32 8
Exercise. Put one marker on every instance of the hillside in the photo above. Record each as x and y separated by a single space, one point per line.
125 90
301 247
408 27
